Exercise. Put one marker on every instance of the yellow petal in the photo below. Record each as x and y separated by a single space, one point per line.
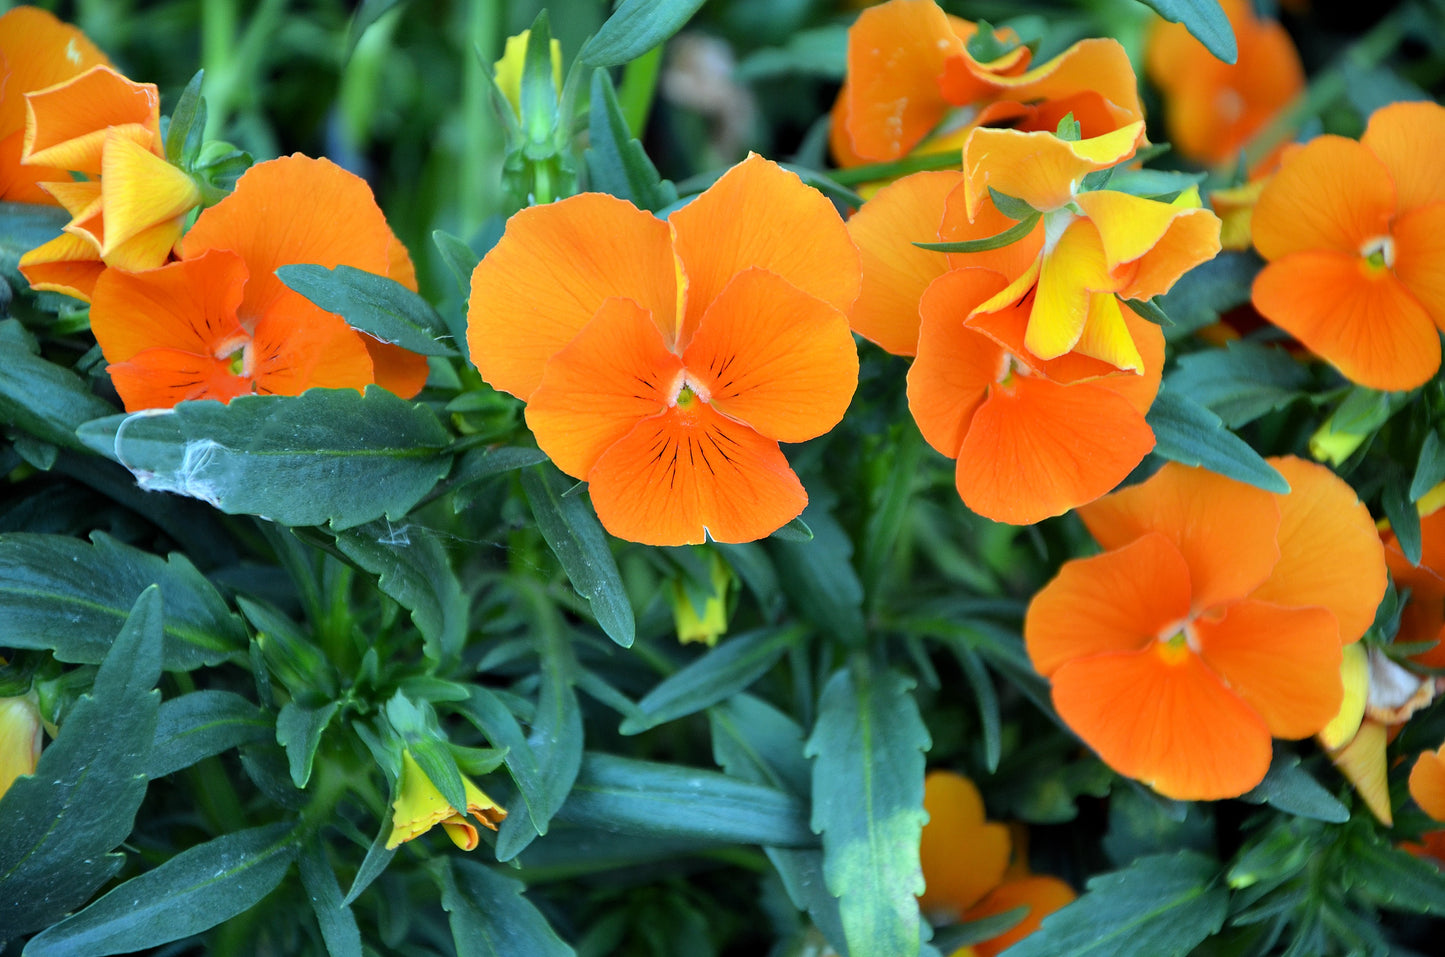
1039 168
141 190
1355 674
1362 762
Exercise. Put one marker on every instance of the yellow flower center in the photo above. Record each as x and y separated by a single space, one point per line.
1176 642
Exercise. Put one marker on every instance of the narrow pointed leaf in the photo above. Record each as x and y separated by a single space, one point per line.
338 924
1203 18
376 305
490 917
616 162
201 724
39 397
1187 432
635 27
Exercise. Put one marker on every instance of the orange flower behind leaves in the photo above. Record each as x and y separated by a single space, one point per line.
1212 108
1423 617
912 83
1033 439
219 323
1355 237
1427 783
664 360
36 51
130 210
1212 622
966 871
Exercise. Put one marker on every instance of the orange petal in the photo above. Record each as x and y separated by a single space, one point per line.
1284 663
1359 318
37 51
552 270
774 357
293 210
1162 240
963 856
140 190
895 272
1138 390
68 123
188 306
1329 551
160 378
1041 894
1038 449
1224 529
1164 718
896 54
756 215
1427 783
1420 258
68 264
612 375
397 370
691 474
1409 138
1039 168
1011 261
299 347
956 366
1121 600
82 200
1331 194
23 184
1100 66
1070 271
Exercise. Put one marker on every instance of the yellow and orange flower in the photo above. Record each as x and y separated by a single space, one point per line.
130 209
664 360
1355 237
913 84
1212 108
966 866
20 739
1212 622
219 323
36 51
419 807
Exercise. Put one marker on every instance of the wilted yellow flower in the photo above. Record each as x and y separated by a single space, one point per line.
419 807
20 736
713 620
508 70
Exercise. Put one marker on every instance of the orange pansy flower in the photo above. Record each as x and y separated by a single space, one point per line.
1032 438
1212 622
1355 237
130 211
913 84
966 870
36 51
1423 617
219 323
1212 108
664 360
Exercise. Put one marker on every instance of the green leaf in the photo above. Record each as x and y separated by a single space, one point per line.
719 674
575 536
298 730
1203 18
819 579
40 397
1187 432
1160 906
187 126
1154 183
1395 878
1009 236
23 226
367 13
1209 290
1149 309
1240 382
486 710
491 918
949 939
635 27
68 596
986 699
1290 788
194 891
328 455
616 162
460 259
1429 468
753 741
413 567
820 52
627 796
62 823
1404 518
201 724
376 305
868 743
337 923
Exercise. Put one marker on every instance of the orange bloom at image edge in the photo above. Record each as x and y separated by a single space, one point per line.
663 361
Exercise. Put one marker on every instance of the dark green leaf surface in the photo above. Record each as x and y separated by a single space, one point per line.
1241 382
616 162
1404 518
1207 291
1395 878
490 917
1187 432
649 798
376 305
337 923
412 567
298 730
868 746
756 742
819 579
39 397
197 889
23 226
1429 468
635 27
197 725
571 528
329 455
1203 18
486 710
1160 906
1290 788
70 596
722 672
62 824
